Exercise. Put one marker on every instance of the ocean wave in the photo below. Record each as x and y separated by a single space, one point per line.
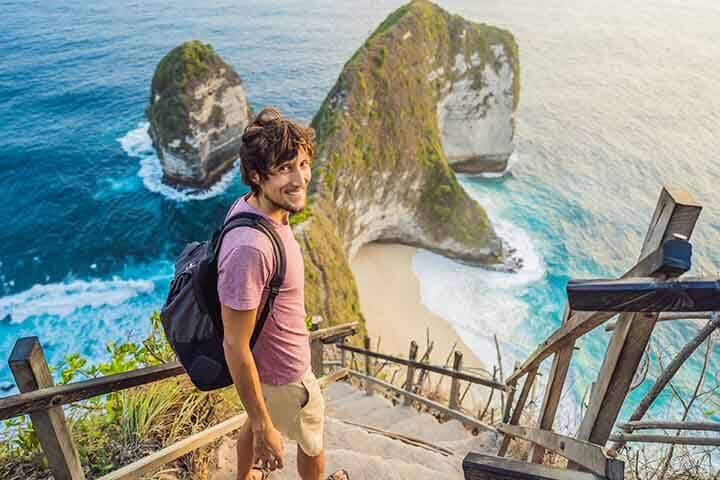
480 303
63 299
137 143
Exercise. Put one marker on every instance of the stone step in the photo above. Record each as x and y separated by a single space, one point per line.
484 442
368 455
341 436
387 417
337 391
358 408
356 395
426 427
364 467
363 454
361 466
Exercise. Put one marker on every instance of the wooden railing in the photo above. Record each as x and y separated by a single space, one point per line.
452 409
43 401
671 226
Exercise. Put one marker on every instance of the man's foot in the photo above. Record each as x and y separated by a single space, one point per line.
341 474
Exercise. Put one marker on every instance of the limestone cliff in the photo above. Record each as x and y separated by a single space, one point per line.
426 86
197 114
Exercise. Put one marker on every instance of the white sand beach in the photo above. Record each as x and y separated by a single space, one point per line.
390 301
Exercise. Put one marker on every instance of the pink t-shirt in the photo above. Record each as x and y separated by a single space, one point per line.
245 265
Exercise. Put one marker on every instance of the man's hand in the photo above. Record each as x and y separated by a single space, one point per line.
268 447
267 443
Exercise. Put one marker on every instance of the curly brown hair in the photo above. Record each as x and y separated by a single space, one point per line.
271 140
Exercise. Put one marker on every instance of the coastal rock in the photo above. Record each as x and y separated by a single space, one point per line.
197 113
382 172
479 96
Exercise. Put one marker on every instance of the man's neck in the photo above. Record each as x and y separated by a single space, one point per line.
259 202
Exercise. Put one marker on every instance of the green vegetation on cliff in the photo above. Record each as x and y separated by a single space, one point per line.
330 288
381 114
378 139
171 93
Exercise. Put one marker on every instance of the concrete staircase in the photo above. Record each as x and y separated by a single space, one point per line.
373 456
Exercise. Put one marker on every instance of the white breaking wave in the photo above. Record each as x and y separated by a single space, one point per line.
477 302
137 143
64 299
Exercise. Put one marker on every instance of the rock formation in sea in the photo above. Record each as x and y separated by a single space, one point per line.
426 89
197 114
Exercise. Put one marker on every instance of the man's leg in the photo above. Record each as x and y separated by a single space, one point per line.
245 454
310 468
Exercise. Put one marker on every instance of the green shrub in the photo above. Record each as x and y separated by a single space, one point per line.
116 429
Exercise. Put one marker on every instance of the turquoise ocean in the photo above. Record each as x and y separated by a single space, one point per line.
617 99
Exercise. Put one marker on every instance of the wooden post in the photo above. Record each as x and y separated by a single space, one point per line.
423 373
31 372
410 372
676 214
316 357
368 369
454 402
316 348
343 358
553 391
517 412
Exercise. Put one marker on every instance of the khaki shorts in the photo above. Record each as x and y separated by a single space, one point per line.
297 409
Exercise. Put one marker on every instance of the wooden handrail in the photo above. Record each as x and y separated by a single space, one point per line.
335 333
669 316
431 368
45 398
581 323
652 425
667 439
456 414
586 454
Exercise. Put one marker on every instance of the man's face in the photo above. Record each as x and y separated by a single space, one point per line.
287 183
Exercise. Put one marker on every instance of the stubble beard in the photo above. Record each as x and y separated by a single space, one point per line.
285 205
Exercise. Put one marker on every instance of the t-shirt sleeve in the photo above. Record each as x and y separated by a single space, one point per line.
242 275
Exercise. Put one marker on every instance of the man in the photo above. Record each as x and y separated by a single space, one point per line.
274 380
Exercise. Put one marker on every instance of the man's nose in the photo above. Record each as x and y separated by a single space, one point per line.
297 176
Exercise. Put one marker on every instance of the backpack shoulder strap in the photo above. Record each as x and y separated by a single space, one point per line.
252 220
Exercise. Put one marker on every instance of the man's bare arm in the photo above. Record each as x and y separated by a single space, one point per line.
238 327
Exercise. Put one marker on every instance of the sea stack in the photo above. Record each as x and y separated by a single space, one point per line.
197 113
478 89
427 91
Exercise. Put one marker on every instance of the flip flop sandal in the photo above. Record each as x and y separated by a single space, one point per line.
264 473
341 474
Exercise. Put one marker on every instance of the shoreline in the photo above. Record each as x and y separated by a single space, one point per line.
390 301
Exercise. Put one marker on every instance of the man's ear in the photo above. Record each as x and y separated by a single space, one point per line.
255 177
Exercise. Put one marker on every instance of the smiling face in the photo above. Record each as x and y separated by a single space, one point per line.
285 187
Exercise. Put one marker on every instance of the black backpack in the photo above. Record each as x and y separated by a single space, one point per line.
191 314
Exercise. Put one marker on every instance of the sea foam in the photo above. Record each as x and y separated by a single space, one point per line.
477 302
137 143
82 315
63 299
